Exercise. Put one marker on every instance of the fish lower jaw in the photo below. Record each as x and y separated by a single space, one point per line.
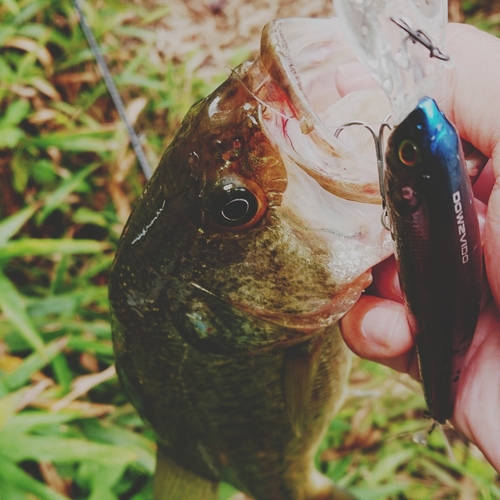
306 325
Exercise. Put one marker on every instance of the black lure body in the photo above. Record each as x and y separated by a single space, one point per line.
437 244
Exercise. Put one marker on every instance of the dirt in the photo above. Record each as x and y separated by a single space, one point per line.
213 34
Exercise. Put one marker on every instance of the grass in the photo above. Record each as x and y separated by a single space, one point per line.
67 182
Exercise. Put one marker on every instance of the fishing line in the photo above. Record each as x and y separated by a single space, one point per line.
113 91
264 105
418 36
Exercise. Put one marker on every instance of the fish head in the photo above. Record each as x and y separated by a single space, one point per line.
256 231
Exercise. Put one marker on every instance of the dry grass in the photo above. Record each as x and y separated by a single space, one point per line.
67 182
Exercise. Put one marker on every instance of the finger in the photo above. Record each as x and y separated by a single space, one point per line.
386 281
492 243
484 184
385 275
353 76
377 329
478 398
481 210
466 92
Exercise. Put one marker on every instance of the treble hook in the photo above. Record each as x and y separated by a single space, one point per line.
378 139
420 37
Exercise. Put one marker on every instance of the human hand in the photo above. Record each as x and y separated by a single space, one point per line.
376 328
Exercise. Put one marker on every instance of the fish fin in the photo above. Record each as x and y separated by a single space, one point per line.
300 369
174 482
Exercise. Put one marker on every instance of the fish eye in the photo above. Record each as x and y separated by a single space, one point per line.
234 206
408 153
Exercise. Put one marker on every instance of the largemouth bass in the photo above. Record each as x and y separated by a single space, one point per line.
254 236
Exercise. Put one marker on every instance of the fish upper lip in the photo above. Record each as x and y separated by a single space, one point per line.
290 120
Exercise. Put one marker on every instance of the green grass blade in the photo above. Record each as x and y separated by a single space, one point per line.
33 421
443 476
113 434
11 474
386 467
64 375
80 344
76 142
380 492
67 186
11 6
16 379
15 113
104 478
63 450
8 405
47 246
11 225
12 303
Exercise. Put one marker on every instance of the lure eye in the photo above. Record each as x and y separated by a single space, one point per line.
234 206
408 153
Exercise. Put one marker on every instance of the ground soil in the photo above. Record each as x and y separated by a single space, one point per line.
208 32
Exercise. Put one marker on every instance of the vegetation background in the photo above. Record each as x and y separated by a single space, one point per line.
67 181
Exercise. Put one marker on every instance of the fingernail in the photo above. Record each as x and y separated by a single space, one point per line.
380 323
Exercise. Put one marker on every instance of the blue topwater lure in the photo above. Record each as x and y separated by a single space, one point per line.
426 187
438 249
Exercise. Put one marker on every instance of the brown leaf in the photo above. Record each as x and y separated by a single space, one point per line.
23 91
46 88
455 14
72 78
468 489
134 108
33 392
30 45
89 362
43 116
240 496
82 385
53 479
10 363
121 202
357 431
85 409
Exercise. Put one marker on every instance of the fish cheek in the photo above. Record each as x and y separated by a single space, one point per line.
212 324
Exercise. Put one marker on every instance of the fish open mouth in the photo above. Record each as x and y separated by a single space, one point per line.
303 112
333 180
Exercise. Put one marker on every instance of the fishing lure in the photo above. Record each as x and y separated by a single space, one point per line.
425 187
437 245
